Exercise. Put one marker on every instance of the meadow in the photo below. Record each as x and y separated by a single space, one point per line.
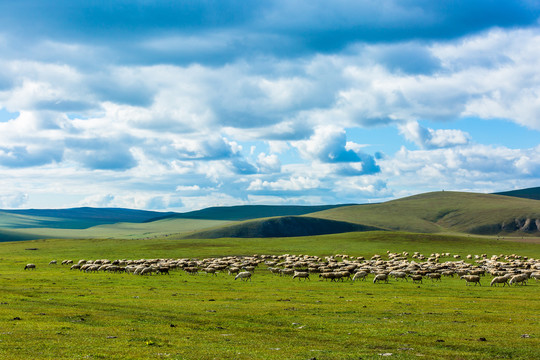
55 313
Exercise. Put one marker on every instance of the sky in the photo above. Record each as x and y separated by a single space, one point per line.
183 105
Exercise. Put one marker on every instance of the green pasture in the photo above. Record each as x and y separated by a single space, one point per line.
55 313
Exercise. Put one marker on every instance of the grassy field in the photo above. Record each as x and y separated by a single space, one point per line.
55 313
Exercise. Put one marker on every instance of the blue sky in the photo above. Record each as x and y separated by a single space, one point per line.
183 105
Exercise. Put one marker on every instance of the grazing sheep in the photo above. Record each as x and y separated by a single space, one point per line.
210 270
328 275
416 278
53 262
286 272
301 275
471 279
399 275
380 277
521 278
191 270
30 266
360 275
244 275
147 271
499 280
163 270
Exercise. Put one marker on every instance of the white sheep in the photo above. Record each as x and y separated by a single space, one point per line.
499 280
471 279
360 275
244 275
521 278
301 275
399 275
380 277
30 266
53 262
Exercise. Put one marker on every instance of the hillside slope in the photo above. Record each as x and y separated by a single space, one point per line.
284 226
530 193
446 211
75 218
249 212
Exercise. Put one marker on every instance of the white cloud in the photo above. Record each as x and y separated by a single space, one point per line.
299 183
427 138
268 163
13 200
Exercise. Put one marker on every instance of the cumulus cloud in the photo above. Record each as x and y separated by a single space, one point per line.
268 163
13 201
427 138
100 154
329 145
140 201
170 114
29 156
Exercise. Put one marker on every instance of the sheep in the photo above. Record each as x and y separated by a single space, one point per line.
244 275
360 275
53 262
499 280
301 275
191 270
147 271
399 275
521 278
328 275
30 266
416 278
210 270
380 277
434 276
286 272
163 270
536 276
471 279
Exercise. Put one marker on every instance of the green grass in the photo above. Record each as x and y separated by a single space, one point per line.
160 228
72 315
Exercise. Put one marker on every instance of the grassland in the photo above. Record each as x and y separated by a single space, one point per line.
55 313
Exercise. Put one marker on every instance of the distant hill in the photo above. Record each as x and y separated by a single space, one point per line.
283 226
447 212
512 213
530 193
75 218
248 212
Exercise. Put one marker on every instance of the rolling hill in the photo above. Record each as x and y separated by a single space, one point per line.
447 212
444 212
283 226
530 193
75 218
249 212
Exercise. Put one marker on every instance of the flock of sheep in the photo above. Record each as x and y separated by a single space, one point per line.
504 269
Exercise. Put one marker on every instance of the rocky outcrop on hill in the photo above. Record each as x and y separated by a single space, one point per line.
517 225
